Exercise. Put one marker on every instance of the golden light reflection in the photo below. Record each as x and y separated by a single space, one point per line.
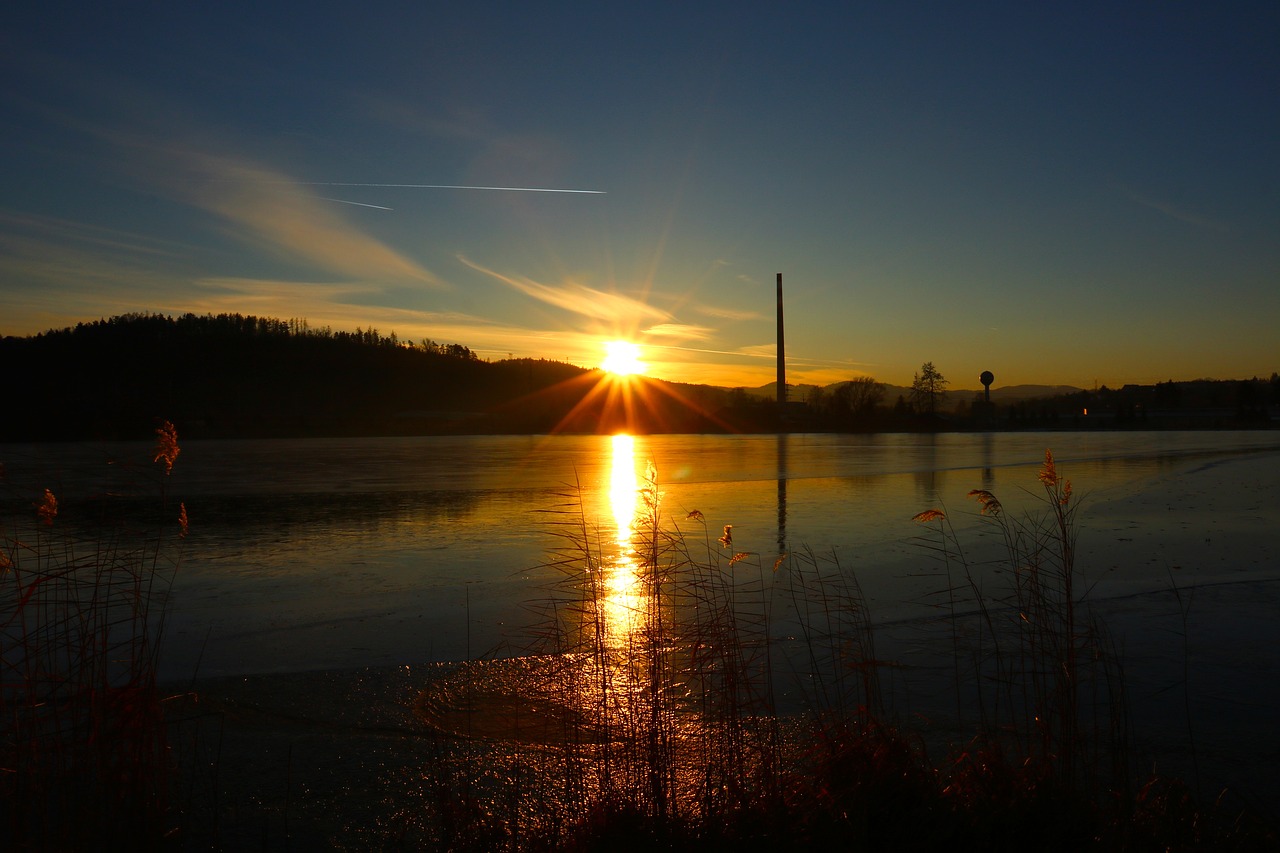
623 602
624 486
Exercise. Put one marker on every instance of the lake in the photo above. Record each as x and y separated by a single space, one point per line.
342 553
367 556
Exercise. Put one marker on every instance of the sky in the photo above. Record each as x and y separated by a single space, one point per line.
1077 193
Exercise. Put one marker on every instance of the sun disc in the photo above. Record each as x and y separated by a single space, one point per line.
622 358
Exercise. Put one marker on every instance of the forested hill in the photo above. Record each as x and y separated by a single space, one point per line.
236 376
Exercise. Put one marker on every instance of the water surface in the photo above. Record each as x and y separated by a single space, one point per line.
343 553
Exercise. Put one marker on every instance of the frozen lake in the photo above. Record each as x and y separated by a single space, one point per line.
334 554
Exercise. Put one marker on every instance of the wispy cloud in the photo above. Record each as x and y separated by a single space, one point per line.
760 351
159 148
1174 212
722 312
330 304
466 126
36 229
579 299
296 298
679 331
56 271
263 207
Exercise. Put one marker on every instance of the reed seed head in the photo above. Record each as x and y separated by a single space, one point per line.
929 515
990 504
47 508
1049 473
167 449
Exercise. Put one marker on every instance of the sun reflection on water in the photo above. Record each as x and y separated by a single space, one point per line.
622 605
648 683
624 486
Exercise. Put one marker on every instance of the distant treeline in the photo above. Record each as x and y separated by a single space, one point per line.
1189 404
233 375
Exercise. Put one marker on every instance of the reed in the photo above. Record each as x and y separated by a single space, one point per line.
726 699
83 754
675 693
1036 679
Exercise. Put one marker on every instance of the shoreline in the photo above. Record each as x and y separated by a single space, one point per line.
339 753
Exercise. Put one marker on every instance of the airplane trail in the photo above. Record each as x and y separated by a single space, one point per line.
356 203
448 187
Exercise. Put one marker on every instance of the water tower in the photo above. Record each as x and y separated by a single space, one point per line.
986 379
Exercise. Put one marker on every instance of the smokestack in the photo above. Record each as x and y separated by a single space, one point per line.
782 352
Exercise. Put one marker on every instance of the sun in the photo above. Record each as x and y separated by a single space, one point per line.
622 358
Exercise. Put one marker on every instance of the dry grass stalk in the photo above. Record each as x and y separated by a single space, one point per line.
677 739
83 755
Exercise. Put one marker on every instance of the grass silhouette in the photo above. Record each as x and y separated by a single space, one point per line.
84 760
729 701
674 693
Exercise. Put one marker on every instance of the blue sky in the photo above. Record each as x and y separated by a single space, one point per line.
1075 194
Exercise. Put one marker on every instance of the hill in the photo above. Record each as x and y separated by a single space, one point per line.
242 376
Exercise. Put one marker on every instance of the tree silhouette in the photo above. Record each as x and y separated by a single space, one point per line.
858 398
236 376
928 388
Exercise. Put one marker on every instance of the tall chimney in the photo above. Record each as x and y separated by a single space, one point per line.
782 353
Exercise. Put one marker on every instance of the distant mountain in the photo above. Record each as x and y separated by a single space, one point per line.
1016 393
1002 394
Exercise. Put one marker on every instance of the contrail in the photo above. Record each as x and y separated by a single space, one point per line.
356 203
446 187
